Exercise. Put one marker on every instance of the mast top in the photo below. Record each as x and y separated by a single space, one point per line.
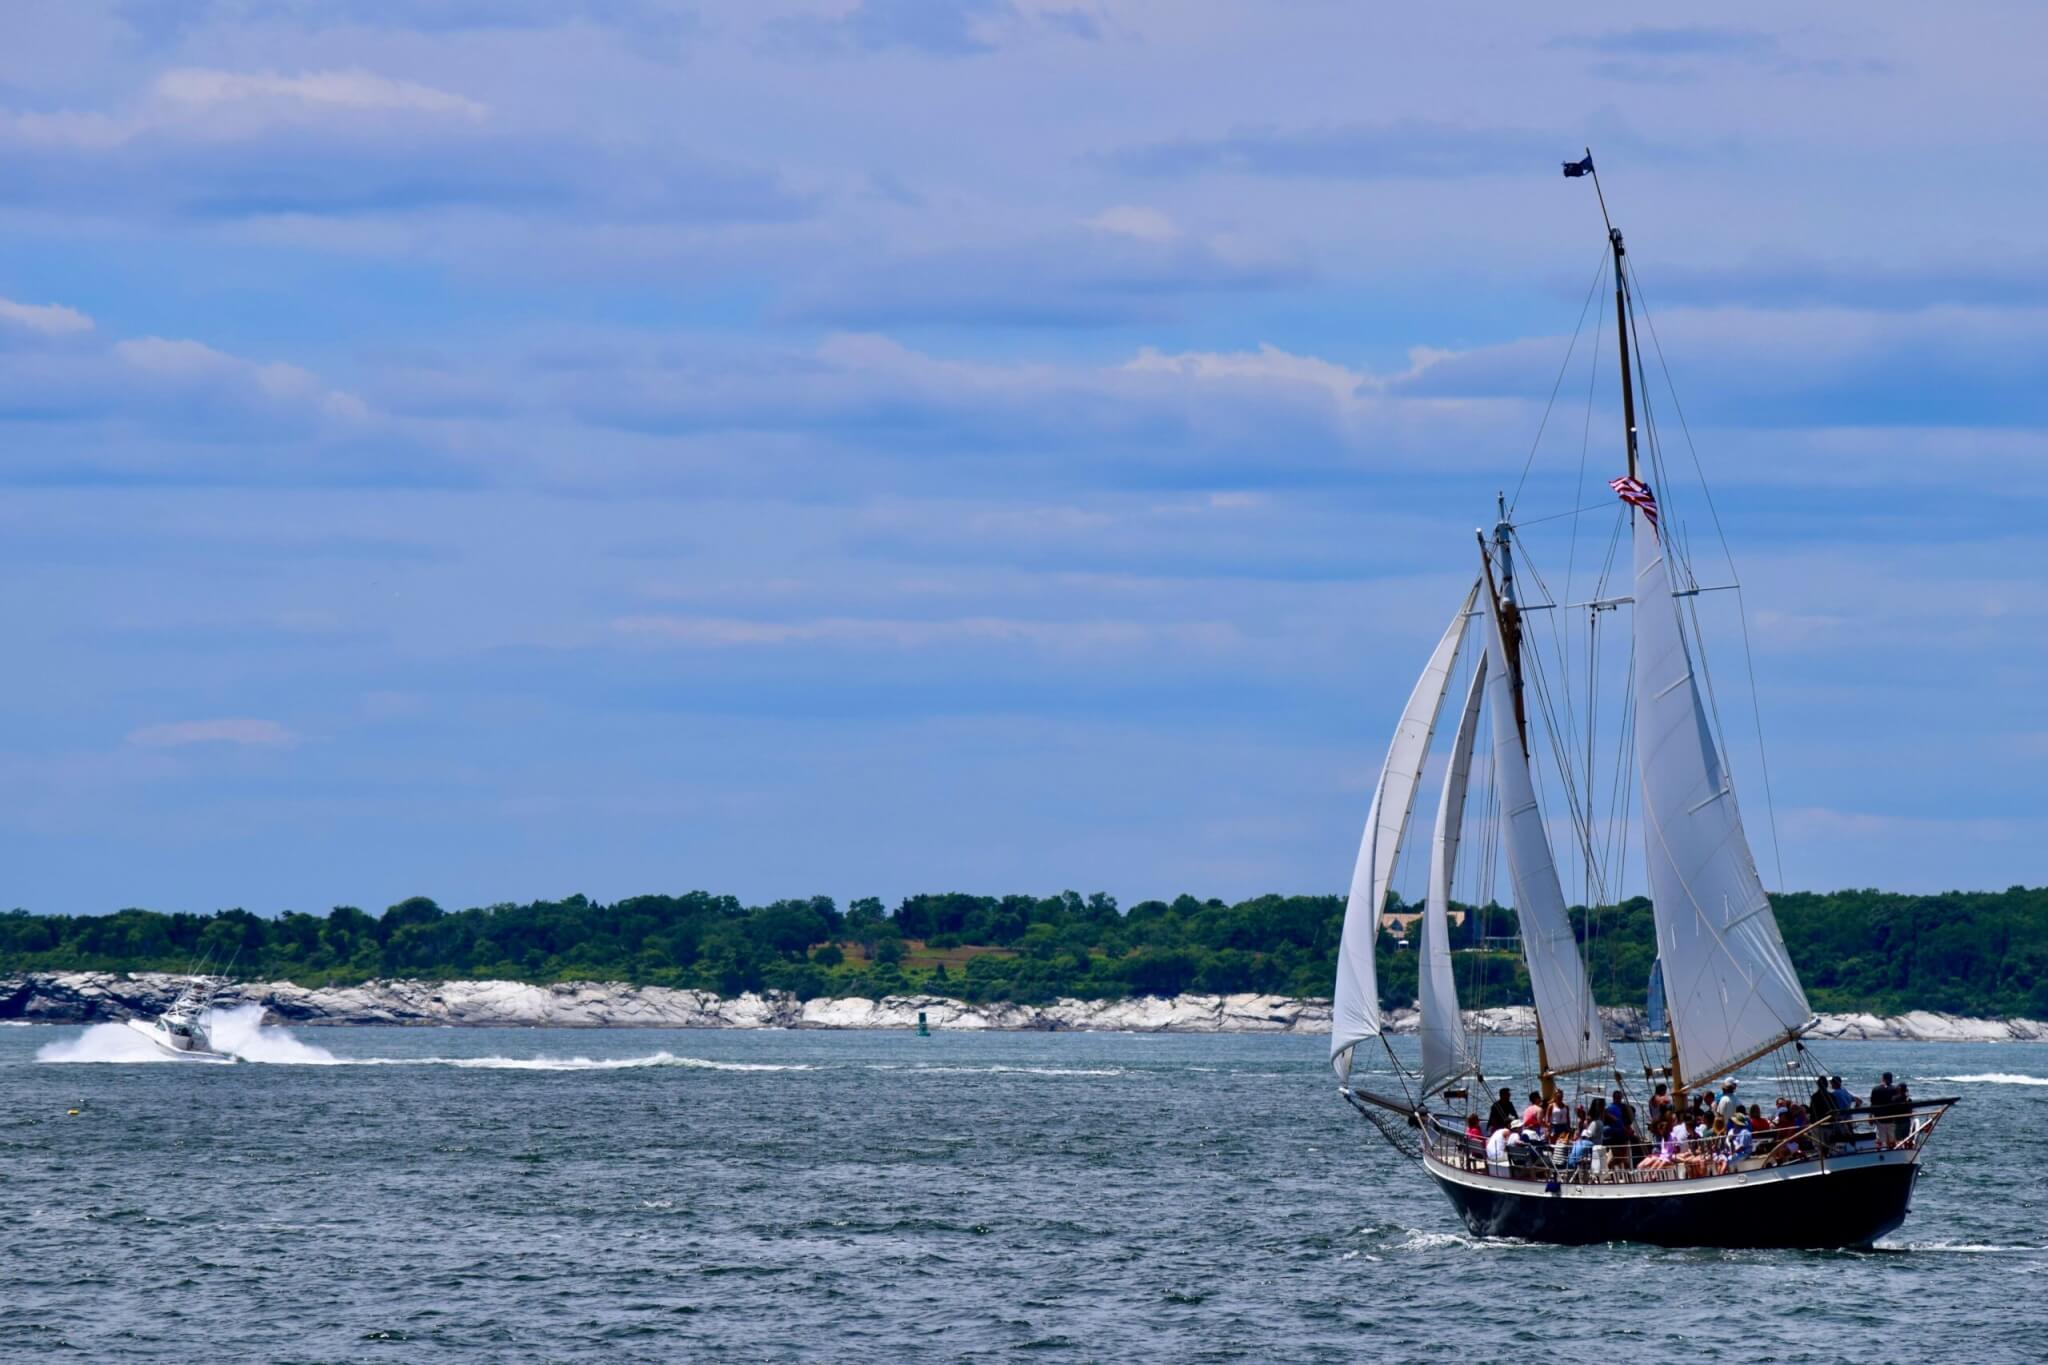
1584 167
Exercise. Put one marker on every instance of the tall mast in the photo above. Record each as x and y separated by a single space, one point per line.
1621 329
1510 614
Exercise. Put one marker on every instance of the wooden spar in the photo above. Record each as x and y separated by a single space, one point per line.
1628 392
1510 618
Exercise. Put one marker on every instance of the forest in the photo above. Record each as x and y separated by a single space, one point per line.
1974 953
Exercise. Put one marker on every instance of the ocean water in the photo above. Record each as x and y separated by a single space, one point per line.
415 1195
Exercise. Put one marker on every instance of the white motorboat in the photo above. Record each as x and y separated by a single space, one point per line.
180 1031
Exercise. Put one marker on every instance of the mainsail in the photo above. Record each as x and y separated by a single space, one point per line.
1355 1012
1444 1054
1572 1036
1729 986
1654 1022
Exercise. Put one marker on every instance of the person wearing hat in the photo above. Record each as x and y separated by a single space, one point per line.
1727 1106
1738 1143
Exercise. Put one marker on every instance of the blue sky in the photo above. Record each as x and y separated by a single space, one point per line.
503 450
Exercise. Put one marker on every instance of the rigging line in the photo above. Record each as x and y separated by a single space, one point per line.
1565 738
1556 640
1558 754
1559 516
1598 275
1585 445
1763 756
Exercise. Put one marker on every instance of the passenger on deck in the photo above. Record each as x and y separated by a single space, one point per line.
1497 1151
1820 1110
1844 1102
1737 1145
1526 1151
1560 1118
1472 1128
1902 1115
1663 1151
1885 1108
1697 1156
1585 1144
1728 1106
1796 1142
1660 1104
1760 1129
1503 1112
1532 1117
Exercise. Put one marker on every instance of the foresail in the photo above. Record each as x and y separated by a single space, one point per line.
1355 1010
1445 1056
1729 986
1572 1037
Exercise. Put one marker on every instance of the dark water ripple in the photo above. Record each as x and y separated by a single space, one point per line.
1058 1197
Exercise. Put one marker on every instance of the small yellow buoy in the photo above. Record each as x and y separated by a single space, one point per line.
71 1113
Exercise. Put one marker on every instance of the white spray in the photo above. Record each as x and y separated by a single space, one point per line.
236 1029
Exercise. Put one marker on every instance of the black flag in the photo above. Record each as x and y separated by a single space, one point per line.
1575 168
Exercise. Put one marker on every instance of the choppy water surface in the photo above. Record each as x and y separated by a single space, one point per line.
388 1194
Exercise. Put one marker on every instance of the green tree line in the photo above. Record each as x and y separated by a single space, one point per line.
1983 953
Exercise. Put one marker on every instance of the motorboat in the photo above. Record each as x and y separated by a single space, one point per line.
180 1031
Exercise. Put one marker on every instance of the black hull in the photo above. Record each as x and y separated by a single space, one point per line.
1850 1207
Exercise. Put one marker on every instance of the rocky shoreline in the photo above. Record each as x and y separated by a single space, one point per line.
94 997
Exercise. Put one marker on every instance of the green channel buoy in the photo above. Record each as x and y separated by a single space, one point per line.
922 1030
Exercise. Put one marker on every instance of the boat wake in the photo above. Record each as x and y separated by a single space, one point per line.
1417 1240
1993 1078
926 1070
658 1059
236 1030
1970 1248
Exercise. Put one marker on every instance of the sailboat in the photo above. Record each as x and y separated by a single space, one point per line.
1656 1023
1731 997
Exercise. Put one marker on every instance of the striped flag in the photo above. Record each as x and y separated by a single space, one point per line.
1636 494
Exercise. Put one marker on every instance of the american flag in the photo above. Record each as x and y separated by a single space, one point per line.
1636 493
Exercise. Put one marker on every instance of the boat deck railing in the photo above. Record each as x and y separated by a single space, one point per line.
1850 1132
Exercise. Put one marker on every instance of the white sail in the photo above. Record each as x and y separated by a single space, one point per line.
1729 987
1444 1055
1572 1037
1355 1010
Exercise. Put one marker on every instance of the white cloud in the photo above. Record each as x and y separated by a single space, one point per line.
231 730
176 357
187 363
50 319
200 88
1268 365
1126 220
725 632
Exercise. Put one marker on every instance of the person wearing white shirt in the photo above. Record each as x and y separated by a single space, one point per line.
1497 1152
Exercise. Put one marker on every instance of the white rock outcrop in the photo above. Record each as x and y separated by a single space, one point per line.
89 997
